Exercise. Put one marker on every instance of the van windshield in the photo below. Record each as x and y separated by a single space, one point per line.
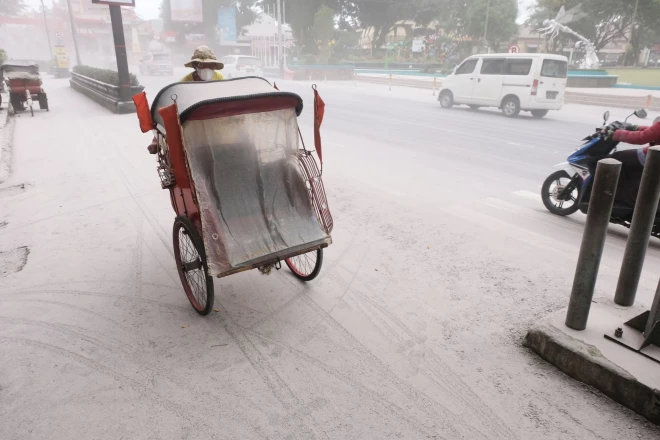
554 69
249 62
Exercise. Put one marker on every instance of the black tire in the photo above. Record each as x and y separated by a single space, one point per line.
446 99
548 193
191 264
539 113
307 266
473 107
511 107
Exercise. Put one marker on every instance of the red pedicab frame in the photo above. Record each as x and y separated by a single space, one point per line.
175 174
22 77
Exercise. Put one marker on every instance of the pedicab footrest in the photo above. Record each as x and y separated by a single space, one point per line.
166 175
316 189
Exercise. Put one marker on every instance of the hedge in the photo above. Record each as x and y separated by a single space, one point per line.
104 75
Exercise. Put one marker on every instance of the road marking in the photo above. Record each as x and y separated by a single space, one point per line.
528 195
515 144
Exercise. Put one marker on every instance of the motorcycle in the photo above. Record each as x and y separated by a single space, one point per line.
565 193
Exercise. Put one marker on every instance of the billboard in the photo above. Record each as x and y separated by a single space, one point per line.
227 24
186 10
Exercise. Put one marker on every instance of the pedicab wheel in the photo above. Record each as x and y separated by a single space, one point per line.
191 264
307 266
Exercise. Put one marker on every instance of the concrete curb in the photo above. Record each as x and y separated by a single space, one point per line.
119 107
586 363
7 123
631 102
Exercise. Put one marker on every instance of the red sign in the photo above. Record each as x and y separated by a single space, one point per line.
514 49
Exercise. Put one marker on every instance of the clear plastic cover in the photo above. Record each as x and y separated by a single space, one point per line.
254 201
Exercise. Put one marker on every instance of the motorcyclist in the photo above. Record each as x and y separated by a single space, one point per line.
206 67
633 160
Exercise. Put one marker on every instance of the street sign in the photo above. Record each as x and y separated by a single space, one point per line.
114 2
514 49
62 59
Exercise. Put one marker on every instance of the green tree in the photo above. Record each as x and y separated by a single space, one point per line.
11 7
323 30
605 21
502 15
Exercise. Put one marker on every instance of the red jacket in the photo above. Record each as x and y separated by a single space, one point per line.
643 135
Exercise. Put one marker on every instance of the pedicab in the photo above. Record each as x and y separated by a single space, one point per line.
246 192
23 85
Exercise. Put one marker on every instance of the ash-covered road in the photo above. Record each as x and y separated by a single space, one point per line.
443 256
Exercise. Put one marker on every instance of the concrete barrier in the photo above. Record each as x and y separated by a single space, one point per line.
105 94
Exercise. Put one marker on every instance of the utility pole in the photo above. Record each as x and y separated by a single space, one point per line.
633 33
120 52
279 37
73 33
50 46
486 25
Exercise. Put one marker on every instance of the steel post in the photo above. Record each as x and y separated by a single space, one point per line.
640 230
593 242
654 315
74 33
120 52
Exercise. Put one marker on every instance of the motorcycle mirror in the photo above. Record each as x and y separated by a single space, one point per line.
606 117
641 113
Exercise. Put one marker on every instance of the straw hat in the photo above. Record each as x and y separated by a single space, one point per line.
204 55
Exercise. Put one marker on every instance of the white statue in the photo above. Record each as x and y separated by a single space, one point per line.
552 28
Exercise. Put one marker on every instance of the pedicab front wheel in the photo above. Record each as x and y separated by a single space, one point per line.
191 264
307 266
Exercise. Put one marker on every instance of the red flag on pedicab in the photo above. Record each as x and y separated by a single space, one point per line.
319 112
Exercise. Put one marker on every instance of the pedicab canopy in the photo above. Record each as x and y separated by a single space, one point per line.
240 140
28 70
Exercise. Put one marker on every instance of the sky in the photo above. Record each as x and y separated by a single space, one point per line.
148 9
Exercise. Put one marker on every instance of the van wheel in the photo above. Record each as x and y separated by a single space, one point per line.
446 99
539 113
511 107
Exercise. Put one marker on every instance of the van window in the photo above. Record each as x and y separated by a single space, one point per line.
518 66
467 67
249 61
554 69
493 66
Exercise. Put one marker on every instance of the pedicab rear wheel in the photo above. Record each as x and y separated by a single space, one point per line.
191 264
307 266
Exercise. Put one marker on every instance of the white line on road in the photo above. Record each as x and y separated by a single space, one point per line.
528 195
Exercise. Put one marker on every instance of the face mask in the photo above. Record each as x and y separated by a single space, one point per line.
205 74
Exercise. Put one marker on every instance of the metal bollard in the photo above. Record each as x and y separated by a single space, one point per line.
654 315
640 230
593 242
390 82
435 85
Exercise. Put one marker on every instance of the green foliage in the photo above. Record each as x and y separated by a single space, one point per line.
3 56
502 16
11 7
606 20
104 75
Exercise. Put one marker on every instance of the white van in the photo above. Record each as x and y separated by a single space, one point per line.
237 66
512 82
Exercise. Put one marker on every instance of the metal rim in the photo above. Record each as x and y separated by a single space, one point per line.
556 188
306 266
303 265
510 107
445 100
190 266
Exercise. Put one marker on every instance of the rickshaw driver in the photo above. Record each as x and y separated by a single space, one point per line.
206 67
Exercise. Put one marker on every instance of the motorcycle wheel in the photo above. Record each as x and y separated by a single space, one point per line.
553 185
